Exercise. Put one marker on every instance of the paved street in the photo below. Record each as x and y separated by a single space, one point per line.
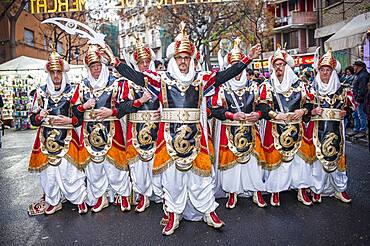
330 223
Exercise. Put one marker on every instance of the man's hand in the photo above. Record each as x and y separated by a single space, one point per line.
90 104
146 97
253 117
298 114
239 116
61 120
255 51
103 113
44 113
108 54
282 116
317 111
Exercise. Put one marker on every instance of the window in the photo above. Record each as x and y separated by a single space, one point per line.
46 42
59 47
291 40
311 37
29 38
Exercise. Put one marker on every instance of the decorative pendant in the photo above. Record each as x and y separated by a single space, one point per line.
182 94
169 87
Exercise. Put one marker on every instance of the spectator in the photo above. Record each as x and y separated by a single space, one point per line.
367 111
359 90
348 76
158 65
250 74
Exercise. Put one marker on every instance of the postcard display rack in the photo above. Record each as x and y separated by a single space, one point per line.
17 101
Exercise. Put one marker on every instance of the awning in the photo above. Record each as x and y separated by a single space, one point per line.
350 35
329 30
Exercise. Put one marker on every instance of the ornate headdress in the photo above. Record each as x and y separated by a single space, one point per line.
281 54
56 63
140 53
182 42
93 55
327 60
235 54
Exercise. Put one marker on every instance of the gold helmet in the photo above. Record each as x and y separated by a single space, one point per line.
235 55
141 53
56 63
327 60
183 43
93 55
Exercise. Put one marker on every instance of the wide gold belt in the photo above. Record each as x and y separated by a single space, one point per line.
90 115
289 121
48 122
237 123
328 114
143 116
180 115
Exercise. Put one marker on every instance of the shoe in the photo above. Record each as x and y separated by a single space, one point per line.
275 199
231 202
258 199
213 220
303 197
342 196
143 204
52 209
316 198
101 203
82 208
117 200
172 224
125 205
360 135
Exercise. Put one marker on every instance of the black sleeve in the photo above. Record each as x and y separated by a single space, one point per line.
362 87
219 113
131 74
265 109
1 102
126 107
78 114
231 72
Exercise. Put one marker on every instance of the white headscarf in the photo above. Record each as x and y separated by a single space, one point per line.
331 87
174 71
50 88
238 84
102 80
289 78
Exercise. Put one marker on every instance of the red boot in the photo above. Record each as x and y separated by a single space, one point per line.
213 220
343 196
172 224
143 204
316 198
275 199
82 208
101 203
125 205
52 209
258 199
231 202
303 197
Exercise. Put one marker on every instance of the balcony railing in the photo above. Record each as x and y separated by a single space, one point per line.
297 18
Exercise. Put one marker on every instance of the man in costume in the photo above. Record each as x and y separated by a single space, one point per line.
182 157
333 102
240 154
142 129
55 151
98 108
284 100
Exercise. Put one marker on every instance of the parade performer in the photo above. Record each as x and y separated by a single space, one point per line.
240 154
182 156
333 102
55 151
142 129
98 108
284 100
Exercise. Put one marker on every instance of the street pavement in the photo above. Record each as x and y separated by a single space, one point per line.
330 223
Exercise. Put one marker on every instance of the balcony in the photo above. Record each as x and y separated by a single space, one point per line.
295 20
